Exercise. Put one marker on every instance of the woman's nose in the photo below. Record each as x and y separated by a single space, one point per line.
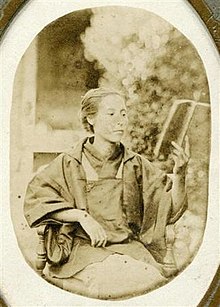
120 120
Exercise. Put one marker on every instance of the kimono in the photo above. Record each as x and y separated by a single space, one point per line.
132 198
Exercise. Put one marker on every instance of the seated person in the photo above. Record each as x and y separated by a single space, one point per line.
112 206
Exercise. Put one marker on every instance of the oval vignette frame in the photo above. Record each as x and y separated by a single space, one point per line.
212 292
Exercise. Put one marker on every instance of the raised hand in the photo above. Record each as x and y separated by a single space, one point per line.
180 156
95 231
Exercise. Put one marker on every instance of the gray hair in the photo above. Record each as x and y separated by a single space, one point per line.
90 104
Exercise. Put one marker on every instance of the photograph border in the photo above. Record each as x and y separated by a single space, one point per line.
11 8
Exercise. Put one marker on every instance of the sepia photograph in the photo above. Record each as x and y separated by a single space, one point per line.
110 148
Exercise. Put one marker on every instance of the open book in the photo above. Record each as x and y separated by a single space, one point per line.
176 126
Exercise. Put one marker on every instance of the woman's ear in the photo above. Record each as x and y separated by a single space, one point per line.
90 120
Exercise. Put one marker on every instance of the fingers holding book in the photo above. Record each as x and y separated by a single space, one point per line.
180 155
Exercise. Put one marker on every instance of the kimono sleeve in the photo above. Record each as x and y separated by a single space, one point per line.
48 192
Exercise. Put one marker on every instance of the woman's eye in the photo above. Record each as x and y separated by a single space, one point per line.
111 114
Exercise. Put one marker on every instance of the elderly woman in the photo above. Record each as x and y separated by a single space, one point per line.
111 206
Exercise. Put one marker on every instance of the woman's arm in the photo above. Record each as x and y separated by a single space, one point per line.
48 196
68 216
178 191
90 225
181 158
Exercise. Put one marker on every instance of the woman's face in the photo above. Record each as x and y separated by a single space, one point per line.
111 121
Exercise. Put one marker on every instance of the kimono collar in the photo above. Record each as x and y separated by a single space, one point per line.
76 152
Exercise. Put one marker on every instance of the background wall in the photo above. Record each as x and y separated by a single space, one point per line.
64 75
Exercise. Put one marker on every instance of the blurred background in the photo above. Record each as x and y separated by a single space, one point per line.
131 50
